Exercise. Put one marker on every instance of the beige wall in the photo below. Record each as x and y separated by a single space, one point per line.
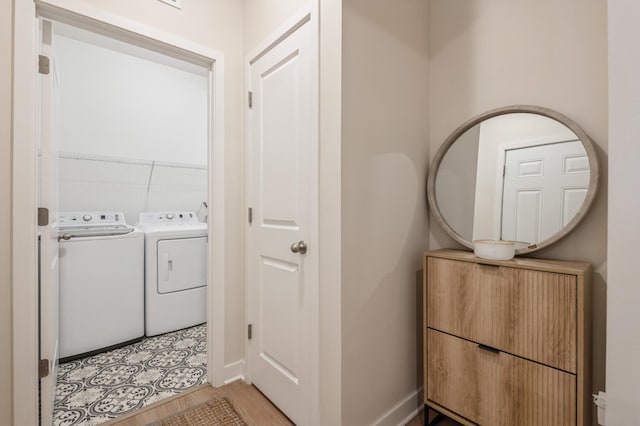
623 345
6 29
489 53
216 24
330 356
384 233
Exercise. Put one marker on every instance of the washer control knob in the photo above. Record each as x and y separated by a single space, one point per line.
86 217
170 216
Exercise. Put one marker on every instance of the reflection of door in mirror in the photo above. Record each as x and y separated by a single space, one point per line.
544 187
555 178
509 217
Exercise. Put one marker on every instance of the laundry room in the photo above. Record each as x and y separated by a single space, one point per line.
131 129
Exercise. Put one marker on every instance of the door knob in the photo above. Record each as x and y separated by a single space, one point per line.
299 247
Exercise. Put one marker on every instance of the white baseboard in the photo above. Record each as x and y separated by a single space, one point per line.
405 410
234 371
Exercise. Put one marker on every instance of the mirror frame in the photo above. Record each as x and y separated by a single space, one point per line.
531 109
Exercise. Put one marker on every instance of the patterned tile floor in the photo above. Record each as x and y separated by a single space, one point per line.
99 388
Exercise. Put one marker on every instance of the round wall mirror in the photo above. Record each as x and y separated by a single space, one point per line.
519 173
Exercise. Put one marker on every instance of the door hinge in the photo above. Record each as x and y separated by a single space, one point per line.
504 170
250 215
250 99
43 64
250 331
43 368
43 216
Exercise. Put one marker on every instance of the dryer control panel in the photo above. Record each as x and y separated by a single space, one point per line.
168 218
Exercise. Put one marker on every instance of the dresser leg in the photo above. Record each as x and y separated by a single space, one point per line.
435 420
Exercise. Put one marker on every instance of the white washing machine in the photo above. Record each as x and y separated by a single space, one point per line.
101 283
175 271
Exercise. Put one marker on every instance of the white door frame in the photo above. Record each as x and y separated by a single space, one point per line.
305 16
23 243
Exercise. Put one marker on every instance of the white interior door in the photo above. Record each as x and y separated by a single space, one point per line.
48 234
283 196
544 187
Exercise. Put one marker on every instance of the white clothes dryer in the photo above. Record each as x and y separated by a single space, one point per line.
101 283
175 271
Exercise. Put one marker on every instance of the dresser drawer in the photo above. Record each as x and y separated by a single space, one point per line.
528 313
496 389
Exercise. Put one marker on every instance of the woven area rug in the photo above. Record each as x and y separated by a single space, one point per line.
217 412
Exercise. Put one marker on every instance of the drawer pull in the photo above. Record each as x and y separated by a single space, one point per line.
488 348
490 265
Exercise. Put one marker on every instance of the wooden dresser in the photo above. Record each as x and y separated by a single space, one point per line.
507 342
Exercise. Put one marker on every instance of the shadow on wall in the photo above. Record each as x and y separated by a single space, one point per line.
379 289
99 183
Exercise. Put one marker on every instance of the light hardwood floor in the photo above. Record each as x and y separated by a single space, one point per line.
252 406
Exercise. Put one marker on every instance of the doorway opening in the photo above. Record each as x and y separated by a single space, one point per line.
125 166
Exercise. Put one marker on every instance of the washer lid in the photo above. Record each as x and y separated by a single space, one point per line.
67 232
